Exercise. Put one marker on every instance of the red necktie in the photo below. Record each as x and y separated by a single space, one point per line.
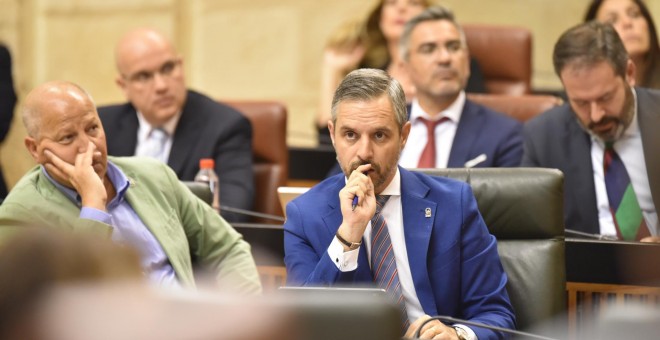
427 160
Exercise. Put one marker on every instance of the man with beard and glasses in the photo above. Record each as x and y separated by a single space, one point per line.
428 246
605 139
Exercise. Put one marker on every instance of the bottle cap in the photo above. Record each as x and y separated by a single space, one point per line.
206 163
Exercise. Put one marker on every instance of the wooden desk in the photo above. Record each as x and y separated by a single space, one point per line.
603 274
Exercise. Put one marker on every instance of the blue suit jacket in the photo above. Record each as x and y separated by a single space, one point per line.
453 258
484 131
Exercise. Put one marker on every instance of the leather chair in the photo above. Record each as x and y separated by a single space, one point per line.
523 208
521 107
504 54
200 190
271 156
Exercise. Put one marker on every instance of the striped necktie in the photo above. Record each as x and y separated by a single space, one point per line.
627 214
383 265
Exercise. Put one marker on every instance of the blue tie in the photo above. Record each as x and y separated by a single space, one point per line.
383 265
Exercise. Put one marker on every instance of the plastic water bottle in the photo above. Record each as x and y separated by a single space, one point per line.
208 176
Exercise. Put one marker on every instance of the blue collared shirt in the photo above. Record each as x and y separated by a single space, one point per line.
128 228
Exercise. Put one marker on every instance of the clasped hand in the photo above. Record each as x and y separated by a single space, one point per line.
355 220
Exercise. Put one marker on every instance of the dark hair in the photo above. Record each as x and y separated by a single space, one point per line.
589 44
651 61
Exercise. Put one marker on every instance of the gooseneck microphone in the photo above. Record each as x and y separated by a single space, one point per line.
251 213
601 237
450 320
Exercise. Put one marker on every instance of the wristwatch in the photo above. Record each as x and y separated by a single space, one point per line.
350 245
461 333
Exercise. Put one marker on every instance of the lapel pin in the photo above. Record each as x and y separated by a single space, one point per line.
427 212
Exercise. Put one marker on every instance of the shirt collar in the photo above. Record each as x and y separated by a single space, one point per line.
169 126
116 176
394 188
453 112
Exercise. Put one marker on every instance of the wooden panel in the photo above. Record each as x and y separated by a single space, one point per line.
587 301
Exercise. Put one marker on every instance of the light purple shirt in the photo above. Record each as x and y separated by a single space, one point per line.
128 228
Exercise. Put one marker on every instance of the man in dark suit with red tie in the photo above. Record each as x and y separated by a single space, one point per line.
605 139
447 129
177 126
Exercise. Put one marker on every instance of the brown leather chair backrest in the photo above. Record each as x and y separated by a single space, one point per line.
504 54
523 209
271 156
522 108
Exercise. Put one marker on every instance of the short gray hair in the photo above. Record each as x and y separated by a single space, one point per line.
433 13
368 84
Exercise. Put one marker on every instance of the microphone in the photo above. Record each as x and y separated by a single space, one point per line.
251 213
591 236
450 320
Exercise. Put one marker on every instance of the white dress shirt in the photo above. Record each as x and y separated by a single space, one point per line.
444 133
393 214
144 132
629 148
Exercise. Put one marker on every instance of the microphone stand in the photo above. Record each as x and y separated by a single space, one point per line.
251 213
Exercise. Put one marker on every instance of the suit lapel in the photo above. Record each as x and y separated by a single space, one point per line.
417 230
124 138
155 216
467 132
649 123
186 136
578 155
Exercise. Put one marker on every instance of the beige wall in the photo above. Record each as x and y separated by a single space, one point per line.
258 49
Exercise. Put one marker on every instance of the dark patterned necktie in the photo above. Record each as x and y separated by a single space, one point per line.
383 265
627 214
427 159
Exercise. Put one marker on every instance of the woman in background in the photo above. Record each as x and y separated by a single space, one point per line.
373 43
633 22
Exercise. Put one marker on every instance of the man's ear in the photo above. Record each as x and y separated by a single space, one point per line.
405 132
121 82
31 145
331 128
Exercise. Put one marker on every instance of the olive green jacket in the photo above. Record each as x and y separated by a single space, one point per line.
186 227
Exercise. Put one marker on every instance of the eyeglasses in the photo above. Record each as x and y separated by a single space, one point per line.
146 78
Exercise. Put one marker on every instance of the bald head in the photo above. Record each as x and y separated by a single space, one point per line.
48 97
137 43
151 75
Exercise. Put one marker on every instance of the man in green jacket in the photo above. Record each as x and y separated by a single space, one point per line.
134 201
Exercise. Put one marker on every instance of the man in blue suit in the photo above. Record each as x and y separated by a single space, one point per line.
447 129
424 239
